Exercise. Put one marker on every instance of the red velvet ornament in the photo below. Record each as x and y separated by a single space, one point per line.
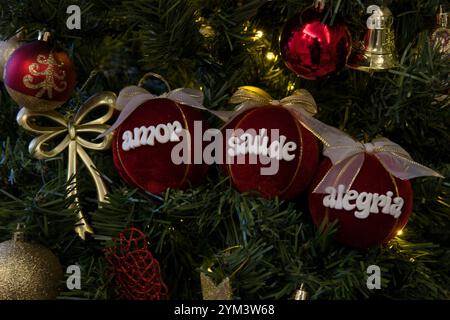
136 273
377 228
313 49
293 176
150 167
39 77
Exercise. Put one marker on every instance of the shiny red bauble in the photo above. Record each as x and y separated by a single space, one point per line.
293 174
149 164
39 77
372 182
312 49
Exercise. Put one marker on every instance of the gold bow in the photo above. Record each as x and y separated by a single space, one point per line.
301 104
249 97
72 128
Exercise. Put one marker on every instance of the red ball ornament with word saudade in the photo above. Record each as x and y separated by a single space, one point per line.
136 272
313 49
143 144
369 214
297 150
39 77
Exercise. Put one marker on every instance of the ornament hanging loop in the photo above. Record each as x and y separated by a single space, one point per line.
44 36
380 19
149 75
301 293
19 234
442 17
320 4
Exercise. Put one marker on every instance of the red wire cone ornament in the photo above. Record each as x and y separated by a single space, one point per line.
136 272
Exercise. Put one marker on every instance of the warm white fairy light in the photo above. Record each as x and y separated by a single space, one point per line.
258 35
270 56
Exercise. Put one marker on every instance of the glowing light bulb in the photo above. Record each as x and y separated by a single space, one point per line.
399 232
258 35
270 56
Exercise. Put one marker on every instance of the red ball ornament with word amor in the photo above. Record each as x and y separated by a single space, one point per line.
39 77
313 49
296 148
376 207
136 272
144 141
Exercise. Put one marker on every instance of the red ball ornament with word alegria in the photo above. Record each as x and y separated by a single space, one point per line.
38 76
154 145
267 146
313 49
366 188
136 273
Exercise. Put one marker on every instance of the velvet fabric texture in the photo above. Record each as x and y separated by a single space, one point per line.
377 228
294 176
150 167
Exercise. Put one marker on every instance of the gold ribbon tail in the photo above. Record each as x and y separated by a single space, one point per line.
82 226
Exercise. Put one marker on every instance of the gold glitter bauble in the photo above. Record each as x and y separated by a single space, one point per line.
28 272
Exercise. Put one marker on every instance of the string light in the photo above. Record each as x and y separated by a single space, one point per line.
207 31
399 232
258 35
270 56
291 87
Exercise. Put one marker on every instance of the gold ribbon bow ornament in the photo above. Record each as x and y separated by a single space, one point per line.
301 104
71 128
249 97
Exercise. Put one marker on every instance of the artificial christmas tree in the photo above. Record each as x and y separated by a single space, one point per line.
265 248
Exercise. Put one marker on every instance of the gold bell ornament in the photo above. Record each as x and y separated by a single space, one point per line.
376 52
440 37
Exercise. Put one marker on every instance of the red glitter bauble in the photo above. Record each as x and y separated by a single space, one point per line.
313 49
378 227
293 176
136 273
39 77
151 167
